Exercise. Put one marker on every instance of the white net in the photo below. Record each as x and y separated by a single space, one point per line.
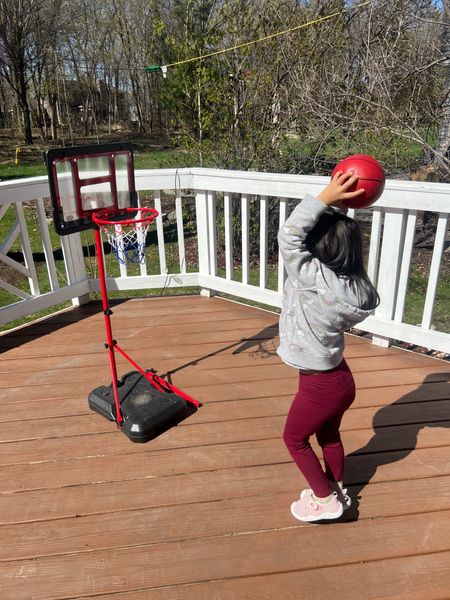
127 241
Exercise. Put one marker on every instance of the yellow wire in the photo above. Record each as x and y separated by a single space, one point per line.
267 37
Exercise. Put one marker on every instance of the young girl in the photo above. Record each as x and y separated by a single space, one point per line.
327 291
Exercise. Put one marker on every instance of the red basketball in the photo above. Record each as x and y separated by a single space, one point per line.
371 178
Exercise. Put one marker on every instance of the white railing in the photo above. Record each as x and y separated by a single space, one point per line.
217 214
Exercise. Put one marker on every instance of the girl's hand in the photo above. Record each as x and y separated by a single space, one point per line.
337 192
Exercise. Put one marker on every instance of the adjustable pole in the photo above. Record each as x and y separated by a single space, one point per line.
110 344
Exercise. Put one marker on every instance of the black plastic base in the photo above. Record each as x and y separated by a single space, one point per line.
146 412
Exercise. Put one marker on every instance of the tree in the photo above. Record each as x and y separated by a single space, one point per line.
442 155
19 20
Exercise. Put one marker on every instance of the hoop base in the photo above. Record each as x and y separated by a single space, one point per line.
146 411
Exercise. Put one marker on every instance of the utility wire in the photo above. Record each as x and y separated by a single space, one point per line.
164 68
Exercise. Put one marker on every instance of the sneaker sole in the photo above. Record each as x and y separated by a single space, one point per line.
323 516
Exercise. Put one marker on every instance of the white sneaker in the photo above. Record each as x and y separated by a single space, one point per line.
308 508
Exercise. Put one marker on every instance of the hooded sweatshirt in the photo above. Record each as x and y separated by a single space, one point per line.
318 305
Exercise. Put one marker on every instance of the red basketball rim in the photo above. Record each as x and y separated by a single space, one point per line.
106 216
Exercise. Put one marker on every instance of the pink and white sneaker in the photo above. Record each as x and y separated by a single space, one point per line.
309 510
342 495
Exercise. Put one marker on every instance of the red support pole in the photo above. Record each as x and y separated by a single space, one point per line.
107 312
159 383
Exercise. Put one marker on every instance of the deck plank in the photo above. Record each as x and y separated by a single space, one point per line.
85 496
251 512
74 412
202 511
410 578
186 561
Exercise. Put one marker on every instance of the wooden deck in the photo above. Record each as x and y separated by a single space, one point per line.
202 512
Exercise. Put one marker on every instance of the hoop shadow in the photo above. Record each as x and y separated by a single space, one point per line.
390 443
260 342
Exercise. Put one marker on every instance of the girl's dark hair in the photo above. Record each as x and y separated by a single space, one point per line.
336 241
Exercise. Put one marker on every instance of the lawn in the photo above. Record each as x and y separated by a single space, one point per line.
154 159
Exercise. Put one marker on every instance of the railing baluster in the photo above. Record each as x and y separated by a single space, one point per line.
245 236
211 196
393 236
405 265
10 239
160 234
374 249
74 262
3 209
263 216
27 252
281 272
390 263
14 290
180 231
433 277
201 216
47 246
228 217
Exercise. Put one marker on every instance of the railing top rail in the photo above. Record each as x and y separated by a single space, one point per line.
22 190
398 194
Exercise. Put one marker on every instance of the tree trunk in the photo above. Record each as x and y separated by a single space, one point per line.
443 145
23 102
200 123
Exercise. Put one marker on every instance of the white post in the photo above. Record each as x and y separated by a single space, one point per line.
201 211
281 271
180 232
74 261
389 269
433 277
228 216
245 217
160 235
27 252
47 246
263 216
212 236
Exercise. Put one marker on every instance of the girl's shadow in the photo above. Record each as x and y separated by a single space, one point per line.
396 428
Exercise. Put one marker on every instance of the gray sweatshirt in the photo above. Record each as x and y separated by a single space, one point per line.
318 306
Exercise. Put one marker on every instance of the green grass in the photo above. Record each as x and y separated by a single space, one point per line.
12 171
164 159
415 301
155 159
395 153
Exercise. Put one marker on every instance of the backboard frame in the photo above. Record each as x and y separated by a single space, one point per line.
81 219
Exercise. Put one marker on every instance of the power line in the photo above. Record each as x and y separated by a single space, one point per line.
163 68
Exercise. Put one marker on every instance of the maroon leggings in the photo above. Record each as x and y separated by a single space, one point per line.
317 409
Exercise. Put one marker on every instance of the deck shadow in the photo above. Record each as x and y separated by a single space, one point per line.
51 323
362 464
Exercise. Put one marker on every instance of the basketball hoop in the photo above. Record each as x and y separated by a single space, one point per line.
93 187
126 231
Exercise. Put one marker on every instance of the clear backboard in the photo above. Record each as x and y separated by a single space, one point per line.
85 179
